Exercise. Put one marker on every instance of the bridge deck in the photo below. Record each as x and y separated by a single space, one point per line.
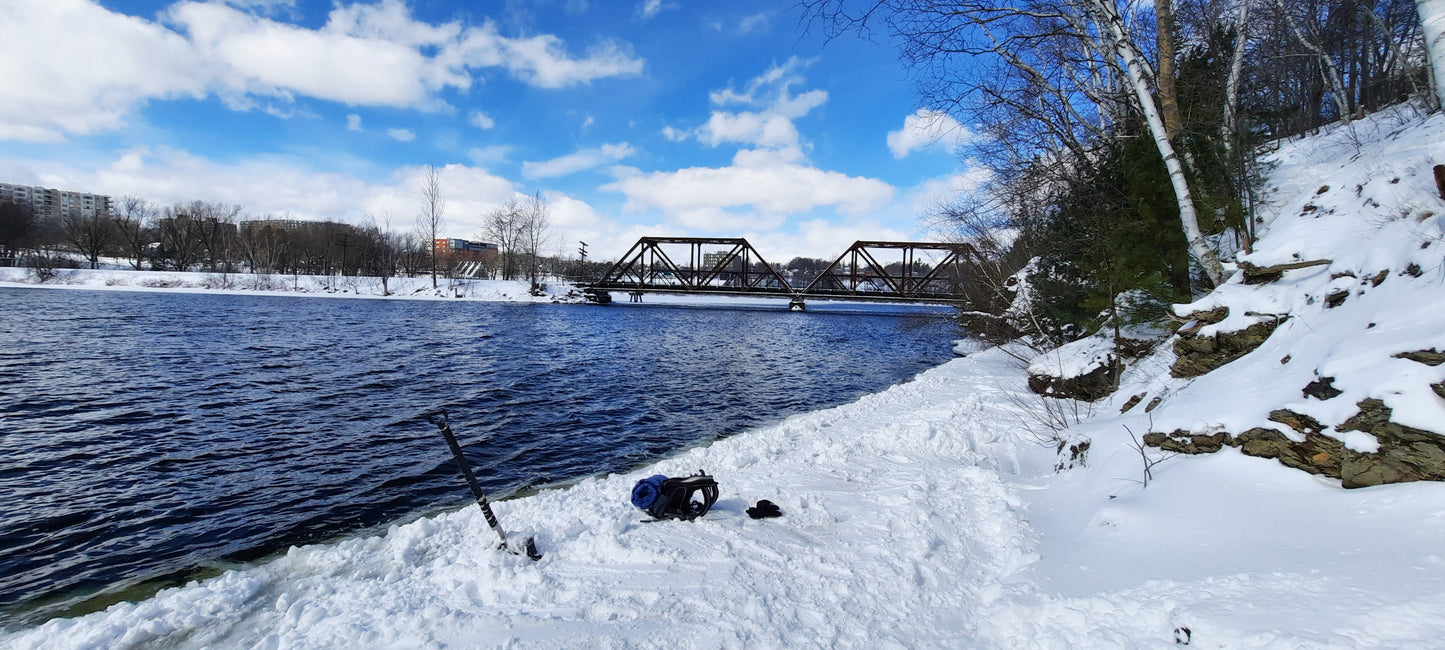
738 270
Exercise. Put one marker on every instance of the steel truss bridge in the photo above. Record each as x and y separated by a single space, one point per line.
919 272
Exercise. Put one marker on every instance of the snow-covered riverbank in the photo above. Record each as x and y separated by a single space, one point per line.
420 288
923 516
933 514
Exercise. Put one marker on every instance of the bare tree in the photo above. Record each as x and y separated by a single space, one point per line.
503 226
381 248
180 242
215 228
1069 54
17 227
89 234
535 235
429 217
133 227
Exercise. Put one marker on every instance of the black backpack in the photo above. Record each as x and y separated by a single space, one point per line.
686 498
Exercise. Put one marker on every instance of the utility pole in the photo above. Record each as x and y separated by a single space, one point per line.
345 242
582 272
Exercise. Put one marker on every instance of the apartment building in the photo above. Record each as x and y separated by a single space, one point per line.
55 205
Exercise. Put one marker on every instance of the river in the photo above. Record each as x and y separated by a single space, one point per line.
151 438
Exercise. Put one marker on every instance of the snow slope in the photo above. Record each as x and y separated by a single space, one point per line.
929 516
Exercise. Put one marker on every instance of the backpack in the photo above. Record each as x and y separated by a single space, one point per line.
684 498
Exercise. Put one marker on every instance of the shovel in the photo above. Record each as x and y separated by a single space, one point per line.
528 546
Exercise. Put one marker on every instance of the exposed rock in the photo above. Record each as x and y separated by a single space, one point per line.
1209 316
1078 455
1131 348
1266 274
1430 357
1297 421
1336 298
1439 389
1322 389
1404 453
1413 270
1133 401
1379 277
1201 354
1261 442
1153 403
1093 385
1183 442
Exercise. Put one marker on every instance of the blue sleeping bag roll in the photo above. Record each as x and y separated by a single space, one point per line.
647 490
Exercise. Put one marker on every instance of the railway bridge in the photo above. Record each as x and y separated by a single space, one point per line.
916 272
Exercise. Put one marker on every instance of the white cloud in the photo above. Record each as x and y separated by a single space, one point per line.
403 135
578 161
821 238
481 120
108 63
353 122
926 128
928 195
674 134
650 8
542 60
771 123
575 221
268 185
364 55
757 21
758 191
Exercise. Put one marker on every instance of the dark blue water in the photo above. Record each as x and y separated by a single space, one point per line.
146 437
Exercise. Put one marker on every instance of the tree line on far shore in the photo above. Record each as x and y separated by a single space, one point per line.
223 238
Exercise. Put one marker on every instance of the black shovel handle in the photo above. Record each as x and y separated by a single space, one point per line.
439 418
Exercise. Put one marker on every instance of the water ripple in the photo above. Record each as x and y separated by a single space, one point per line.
146 437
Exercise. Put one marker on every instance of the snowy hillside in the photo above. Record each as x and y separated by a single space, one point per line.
1354 356
930 515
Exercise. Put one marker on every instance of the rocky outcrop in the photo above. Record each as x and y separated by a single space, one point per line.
1094 385
1404 453
1201 354
1431 357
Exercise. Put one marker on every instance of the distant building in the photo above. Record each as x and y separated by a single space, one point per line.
278 224
711 260
464 249
55 205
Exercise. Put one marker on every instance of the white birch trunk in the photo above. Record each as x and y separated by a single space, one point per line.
1432 26
1236 67
1188 217
1330 73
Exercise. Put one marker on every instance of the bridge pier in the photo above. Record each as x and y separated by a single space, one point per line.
634 296
796 304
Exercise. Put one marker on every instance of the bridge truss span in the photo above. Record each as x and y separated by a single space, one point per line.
868 270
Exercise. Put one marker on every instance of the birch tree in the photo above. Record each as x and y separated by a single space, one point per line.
945 39
1107 14
1432 24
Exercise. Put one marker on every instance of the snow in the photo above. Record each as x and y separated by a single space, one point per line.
284 285
1075 359
929 515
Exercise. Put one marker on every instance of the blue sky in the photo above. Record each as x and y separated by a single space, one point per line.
642 117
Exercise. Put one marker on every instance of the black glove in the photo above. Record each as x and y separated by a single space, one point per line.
765 508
